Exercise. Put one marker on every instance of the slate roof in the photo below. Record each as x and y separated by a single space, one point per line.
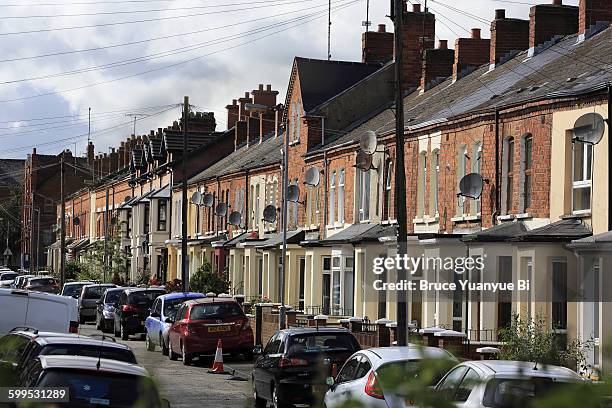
498 233
592 241
245 158
563 69
564 230
163 193
138 158
11 171
276 239
352 234
173 140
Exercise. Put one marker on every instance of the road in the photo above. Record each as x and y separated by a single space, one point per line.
191 386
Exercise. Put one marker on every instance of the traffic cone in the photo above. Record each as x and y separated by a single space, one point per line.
217 367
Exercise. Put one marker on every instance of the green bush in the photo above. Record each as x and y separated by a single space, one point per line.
204 280
73 268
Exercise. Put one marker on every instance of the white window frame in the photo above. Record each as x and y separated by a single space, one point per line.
363 204
332 198
341 182
587 170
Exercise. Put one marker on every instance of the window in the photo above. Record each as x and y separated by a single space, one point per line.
341 197
256 215
388 205
302 283
326 286
559 294
332 198
527 176
363 188
581 181
349 370
509 179
128 231
162 213
422 186
461 165
296 122
435 180
312 206
476 165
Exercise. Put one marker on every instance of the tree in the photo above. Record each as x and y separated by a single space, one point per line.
93 260
72 269
204 280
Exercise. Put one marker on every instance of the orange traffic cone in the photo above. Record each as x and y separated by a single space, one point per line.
217 367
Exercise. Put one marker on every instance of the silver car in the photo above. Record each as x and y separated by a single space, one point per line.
89 296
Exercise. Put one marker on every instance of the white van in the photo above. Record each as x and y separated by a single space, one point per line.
43 311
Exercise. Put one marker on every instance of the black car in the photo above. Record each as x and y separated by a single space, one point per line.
42 284
105 309
294 365
132 309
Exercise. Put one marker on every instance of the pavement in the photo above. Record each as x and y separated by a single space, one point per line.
191 386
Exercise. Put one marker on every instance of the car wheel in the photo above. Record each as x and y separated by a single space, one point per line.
163 345
150 344
187 357
171 354
124 334
259 402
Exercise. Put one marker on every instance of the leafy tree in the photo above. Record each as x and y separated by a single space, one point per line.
73 268
93 260
204 280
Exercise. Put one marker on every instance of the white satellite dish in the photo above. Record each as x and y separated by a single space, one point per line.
196 198
293 193
589 128
312 177
269 214
208 200
363 160
471 185
368 142
221 209
235 218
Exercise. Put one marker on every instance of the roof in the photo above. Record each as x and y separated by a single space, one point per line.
12 171
276 239
524 369
173 139
138 159
210 300
352 233
90 363
410 352
593 241
497 233
180 295
162 193
322 79
237 240
564 230
309 330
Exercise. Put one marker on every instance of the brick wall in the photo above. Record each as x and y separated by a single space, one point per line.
549 20
418 33
377 46
507 34
470 53
592 11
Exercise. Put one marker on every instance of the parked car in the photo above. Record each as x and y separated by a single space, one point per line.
46 284
105 309
294 365
93 381
20 281
88 297
131 310
200 323
7 278
73 289
502 384
164 308
359 379
41 311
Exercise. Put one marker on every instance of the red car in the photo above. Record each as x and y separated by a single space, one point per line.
200 323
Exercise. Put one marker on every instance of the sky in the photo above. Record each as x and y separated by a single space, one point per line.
129 59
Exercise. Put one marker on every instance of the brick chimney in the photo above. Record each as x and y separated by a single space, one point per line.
240 133
113 157
437 64
263 96
90 154
470 53
242 112
549 20
200 122
418 34
232 113
377 46
121 156
507 35
593 12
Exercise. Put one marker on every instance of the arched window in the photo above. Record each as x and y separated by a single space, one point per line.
422 186
461 171
508 179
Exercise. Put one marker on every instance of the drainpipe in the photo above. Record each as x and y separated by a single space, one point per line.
609 156
497 178
326 193
246 200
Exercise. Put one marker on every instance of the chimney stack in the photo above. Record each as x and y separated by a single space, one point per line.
90 154
507 35
418 34
547 21
265 97
240 133
377 46
232 113
470 53
437 64
593 12
242 112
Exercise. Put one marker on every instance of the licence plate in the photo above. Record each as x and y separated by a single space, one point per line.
219 329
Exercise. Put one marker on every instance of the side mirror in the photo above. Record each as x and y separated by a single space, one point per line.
257 351
169 320
330 381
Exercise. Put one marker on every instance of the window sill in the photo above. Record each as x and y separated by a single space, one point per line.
294 142
578 215
524 216
388 222
507 217
427 220
467 217
311 228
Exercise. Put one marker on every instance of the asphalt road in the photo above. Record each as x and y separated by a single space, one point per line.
192 386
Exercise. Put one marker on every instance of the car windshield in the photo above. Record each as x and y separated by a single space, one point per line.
144 298
94 292
113 295
42 282
101 389
71 290
8 276
172 305
430 371
318 342
111 353
215 311
517 393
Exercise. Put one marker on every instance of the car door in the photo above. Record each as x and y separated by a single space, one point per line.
458 384
13 311
342 388
118 310
153 323
264 368
175 330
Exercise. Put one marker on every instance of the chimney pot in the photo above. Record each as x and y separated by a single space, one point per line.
269 87
234 102
246 95
500 14
261 87
416 8
557 2
476 33
382 28
443 44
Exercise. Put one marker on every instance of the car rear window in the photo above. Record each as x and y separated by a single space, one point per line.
412 369
172 305
42 282
8 276
94 292
322 342
517 393
12 347
111 353
70 290
215 311
113 295
103 389
144 298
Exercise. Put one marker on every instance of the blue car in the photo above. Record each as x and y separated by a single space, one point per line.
164 307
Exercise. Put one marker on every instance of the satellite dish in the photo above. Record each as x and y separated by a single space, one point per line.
313 176
269 214
208 200
235 218
196 198
221 209
368 142
471 185
293 193
589 128
363 161
76 221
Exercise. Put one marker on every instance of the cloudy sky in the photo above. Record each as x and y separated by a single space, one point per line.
139 57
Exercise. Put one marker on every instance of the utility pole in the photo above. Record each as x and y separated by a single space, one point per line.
31 235
37 237
184 260
400 173
62 225
329 31
282 312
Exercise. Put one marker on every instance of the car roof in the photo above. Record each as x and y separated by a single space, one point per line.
91 363
149 289
105 285
309 330
381 355
81 340
179 295
523 368
115 289
79 283
36 334
41 277
210 300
